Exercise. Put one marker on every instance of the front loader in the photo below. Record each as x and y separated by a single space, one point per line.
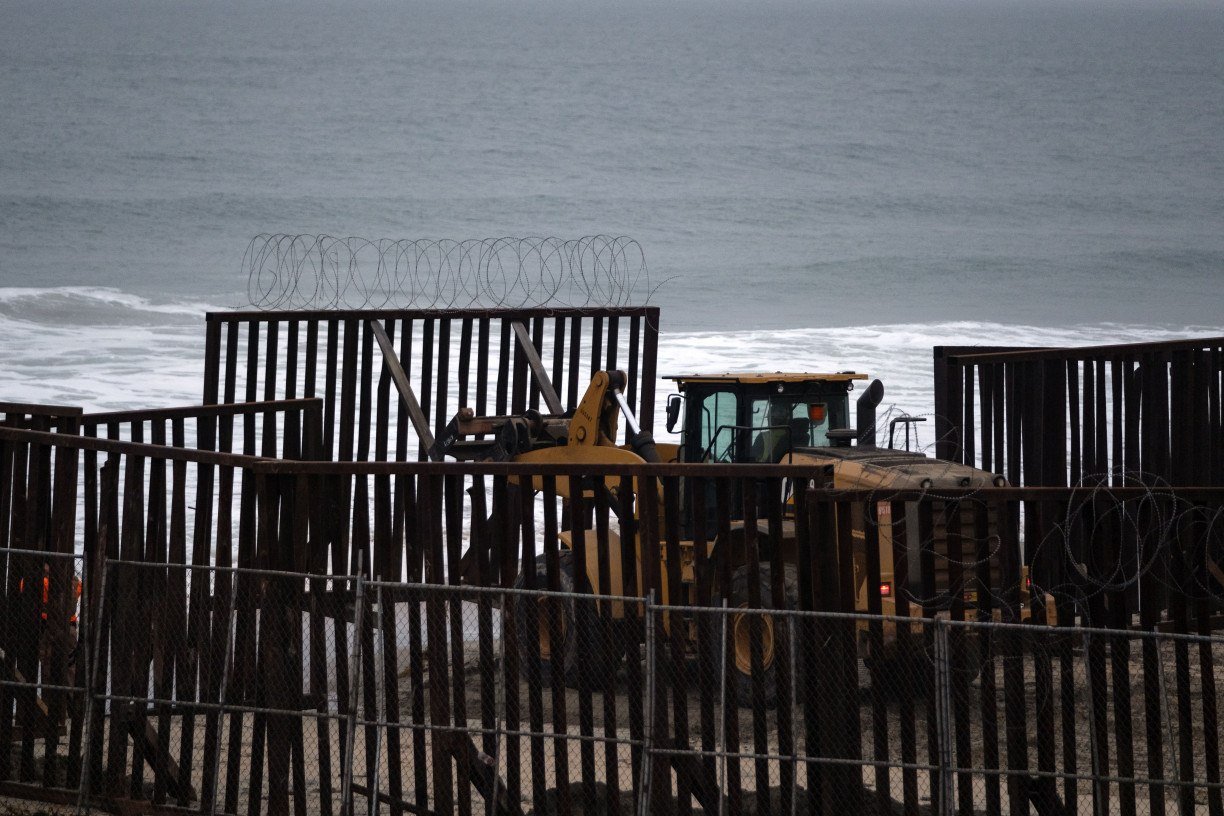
795 418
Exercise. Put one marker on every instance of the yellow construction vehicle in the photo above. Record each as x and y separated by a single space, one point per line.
790 418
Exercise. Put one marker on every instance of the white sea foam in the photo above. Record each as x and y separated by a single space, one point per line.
98 348
106 349
91 297
899 355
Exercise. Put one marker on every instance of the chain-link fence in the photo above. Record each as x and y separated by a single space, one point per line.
234 691
882 714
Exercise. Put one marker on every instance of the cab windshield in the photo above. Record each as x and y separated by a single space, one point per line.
728 422
782 422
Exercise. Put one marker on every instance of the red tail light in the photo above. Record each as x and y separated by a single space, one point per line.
886 590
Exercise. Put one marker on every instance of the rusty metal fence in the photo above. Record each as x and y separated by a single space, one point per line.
1092 614
1134 414
390 380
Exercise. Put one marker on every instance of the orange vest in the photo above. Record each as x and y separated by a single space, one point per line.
46 594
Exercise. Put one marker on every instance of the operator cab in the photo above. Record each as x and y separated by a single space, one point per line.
757 417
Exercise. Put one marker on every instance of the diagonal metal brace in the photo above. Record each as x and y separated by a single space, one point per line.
537 368
391 361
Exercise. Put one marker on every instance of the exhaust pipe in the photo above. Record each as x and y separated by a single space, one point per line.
866 410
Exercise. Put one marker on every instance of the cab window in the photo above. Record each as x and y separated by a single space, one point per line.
779 422
718 418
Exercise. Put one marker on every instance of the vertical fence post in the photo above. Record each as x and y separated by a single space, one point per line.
380 659
1100 789
1165 710
350 726
722 715
231 626
94 634
791 637
943 715
643 803
499 706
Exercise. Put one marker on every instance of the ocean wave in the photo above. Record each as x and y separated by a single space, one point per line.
63 304
964 332
900 355
98 348
106 349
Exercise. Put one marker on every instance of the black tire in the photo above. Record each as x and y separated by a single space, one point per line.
743 627
601 653
903 674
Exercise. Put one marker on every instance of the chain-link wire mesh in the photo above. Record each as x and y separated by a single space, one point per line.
926 715
242 691
225 689
489 698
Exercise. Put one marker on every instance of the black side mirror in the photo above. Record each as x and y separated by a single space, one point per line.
673 411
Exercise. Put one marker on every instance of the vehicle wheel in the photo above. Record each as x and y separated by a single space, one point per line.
907 674
900 674
743 629
601 654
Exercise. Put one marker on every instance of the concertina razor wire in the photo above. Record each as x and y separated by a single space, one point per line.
287 272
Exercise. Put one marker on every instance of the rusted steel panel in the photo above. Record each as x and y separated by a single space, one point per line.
504 499
464 767
1146 412
575 356
439 667
416 551
1076 460
298 502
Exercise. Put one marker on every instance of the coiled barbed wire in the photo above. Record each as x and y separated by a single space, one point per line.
324 272
1154 537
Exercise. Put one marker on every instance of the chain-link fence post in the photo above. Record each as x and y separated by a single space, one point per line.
643 803
1173 760
943 715
231 626
499 704
380 658
721 662
350 725
794 698
93 632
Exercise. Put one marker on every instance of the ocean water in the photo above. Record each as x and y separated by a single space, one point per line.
824 185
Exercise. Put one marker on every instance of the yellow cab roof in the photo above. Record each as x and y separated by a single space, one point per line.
767 377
